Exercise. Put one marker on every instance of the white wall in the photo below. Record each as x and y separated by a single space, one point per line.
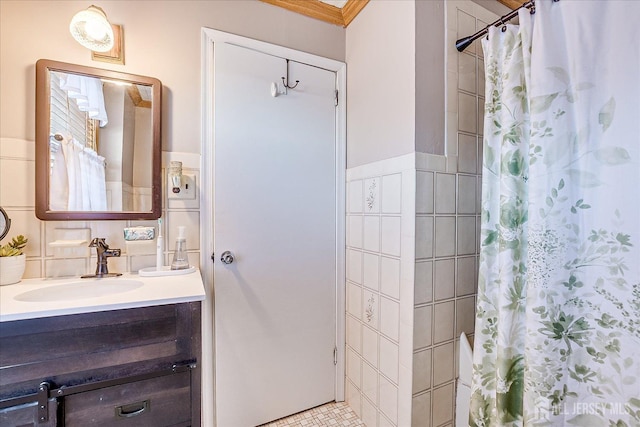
380 55
162 39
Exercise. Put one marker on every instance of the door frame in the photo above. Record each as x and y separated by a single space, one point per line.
209 39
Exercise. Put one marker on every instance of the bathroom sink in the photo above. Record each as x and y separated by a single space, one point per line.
79 290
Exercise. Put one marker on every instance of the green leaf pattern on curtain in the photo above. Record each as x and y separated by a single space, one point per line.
558 314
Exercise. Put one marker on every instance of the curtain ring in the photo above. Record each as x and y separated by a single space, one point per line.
504 26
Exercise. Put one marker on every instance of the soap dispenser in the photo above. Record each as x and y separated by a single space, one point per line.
180 257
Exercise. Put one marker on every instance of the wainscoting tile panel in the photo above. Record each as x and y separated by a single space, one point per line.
421 371
466 235
389 318
391 235
443 319
372 195
370 382
445 242
424 192
370 345
369 413
444 279
421 411
354 333
354 366
445 189
443 362
443 404
371 268
389 399
466 276
391 194
390 277
466 194
354 231
422 319
371 236
424 237
423 282
356 198
354 266
389 359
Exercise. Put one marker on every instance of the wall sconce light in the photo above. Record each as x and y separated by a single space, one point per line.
92 29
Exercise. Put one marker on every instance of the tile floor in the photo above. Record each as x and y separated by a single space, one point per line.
332 414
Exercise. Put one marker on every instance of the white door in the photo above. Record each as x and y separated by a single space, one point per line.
275 210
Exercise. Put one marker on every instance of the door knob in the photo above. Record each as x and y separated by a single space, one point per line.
226 257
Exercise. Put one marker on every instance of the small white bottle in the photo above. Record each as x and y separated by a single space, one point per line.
180 257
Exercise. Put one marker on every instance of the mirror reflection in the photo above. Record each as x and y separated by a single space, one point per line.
97 143
100 139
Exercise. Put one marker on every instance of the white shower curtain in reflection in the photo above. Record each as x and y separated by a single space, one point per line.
557 339
79 177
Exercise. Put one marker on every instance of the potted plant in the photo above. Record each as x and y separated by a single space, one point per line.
12 260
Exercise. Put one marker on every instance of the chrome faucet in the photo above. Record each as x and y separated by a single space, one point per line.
102 270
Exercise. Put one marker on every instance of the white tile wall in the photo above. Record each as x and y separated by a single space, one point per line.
17 197
380 246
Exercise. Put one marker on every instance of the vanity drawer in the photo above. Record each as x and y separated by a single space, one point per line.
162 401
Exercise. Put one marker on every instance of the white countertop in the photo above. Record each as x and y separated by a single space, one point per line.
30 299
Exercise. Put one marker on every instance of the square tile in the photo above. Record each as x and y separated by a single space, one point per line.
467 153
480 116
372 195
467 113
466 194
443 321
354 372
390 277
465 315
193 203
424 237
354 231
369 413
445 241
424 283
481 78
424 192
112 231
422 321
191 221
388 399
480 154
466 276
389 359
32 269
371 269
354 333
354 266
443 358
372 233
142 261
370 346
354 398
391 235
467 72
445 193
421 371
391 193
466 25
389 318
466 235
354 300
17 183
24 222
65 267
370 382
444 287
442 404
356 198
421 410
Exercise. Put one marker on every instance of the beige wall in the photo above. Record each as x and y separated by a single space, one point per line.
162 39
381 82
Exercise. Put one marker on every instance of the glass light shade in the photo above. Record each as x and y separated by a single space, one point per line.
92 29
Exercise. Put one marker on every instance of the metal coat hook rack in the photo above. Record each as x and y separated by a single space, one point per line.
286 82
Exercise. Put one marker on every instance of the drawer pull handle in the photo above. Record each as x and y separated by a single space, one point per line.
132 409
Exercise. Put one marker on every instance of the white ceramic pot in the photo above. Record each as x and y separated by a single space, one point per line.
11 269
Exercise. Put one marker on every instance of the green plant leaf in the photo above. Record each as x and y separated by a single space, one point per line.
606 114
584 179
542 103
612 155
560 74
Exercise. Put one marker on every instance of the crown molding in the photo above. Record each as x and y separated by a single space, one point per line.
323 11
512 4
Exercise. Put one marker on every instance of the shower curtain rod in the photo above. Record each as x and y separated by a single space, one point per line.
463 43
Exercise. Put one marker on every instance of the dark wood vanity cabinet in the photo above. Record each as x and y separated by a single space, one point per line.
135 367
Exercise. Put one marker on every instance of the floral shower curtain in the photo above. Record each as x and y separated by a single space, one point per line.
557 339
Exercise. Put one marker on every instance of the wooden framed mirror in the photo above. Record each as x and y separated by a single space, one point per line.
98 144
